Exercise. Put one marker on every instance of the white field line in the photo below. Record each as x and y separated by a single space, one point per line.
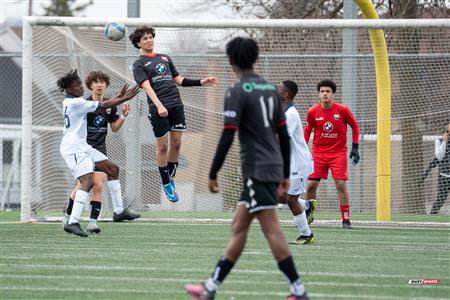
356 245
192 270
202 221
252 253
225 292
250 282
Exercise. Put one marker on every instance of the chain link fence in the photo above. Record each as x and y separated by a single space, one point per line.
10 120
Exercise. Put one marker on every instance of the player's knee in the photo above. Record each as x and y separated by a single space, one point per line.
97 188
162 149
176 146
114 170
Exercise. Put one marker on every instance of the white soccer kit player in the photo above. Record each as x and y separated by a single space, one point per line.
301 159
79 156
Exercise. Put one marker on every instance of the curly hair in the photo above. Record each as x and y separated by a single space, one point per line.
242 52
64 82
96 76
327 83
136 36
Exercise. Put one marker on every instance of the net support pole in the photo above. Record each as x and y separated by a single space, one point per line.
27 94
383 79
349 85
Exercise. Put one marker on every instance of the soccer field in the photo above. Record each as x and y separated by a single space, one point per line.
144 260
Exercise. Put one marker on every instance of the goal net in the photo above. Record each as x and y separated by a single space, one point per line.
419 59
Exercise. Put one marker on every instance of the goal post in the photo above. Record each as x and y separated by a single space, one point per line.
305 51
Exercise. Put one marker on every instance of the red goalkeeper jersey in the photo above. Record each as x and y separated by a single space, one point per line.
330 128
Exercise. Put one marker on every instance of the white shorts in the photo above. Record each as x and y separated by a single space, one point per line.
84 162
298 185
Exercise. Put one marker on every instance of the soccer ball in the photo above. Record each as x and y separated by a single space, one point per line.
115 31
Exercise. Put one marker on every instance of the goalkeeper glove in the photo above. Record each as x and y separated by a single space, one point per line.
354 154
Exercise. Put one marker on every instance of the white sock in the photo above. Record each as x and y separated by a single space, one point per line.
302 224
211 285
116 195
304 203
297 288
93 221
78 206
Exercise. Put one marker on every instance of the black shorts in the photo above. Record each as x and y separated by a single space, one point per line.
174 121
259 195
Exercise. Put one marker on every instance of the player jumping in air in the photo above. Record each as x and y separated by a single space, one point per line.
156 74
80 157
97 129
329 121
301 164
253 107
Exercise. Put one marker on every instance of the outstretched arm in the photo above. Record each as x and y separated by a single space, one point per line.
208 81
124 95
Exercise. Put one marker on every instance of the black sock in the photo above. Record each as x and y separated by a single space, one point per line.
164 172
69 206
288 268
223 267
173 166
96 206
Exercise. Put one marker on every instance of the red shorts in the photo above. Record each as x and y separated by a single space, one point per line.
336 162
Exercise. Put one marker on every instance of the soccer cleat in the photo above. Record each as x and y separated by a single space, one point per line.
310 211
75 228
172 183
92 228
346 224
170 192
304 239
126 215
199 292
65 219
295 297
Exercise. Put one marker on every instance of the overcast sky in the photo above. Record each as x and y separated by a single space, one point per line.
118 9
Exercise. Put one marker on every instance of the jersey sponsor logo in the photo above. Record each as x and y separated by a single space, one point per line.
230 114
161 68
164 58
336 117
328 127
251 86
99 121
319 119
108 110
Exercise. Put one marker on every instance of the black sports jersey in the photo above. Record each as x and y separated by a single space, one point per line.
253 106
159 70
97 126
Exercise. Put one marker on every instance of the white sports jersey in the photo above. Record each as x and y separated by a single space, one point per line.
75 126
301 159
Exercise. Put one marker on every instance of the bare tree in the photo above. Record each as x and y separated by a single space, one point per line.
65 8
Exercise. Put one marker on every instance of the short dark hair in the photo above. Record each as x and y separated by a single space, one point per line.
242 52
96 76
291 88
328 83
135 36
66 81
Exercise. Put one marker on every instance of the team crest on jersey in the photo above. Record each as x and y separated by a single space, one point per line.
160 68
328 127
108 110
336 117
164 58
99 120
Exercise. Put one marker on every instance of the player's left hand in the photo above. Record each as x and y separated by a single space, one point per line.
125 109
354 154
209 81
283 187
213 185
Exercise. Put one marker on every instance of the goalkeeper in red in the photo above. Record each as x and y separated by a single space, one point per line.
329 119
